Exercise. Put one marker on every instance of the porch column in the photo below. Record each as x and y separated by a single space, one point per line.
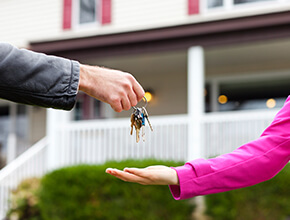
12 138
214 93
54 120
195 101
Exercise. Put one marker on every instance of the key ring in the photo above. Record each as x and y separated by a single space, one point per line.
145 100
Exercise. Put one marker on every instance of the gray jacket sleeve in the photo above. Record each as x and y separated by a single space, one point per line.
37 79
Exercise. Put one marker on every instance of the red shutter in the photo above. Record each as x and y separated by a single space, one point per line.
67 13
193 7
106 11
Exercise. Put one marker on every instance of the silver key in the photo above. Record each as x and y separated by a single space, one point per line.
147 117
143 133
138 121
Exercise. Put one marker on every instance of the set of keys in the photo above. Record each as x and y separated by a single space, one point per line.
138 121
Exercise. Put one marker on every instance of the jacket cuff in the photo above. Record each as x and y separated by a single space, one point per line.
74 85
186 174
75 77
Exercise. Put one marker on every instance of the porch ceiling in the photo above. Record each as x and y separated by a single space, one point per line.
149 64
219 61
252 57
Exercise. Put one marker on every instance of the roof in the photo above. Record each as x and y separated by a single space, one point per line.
207 34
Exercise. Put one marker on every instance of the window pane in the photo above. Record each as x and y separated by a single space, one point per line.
254 95
4 131
97 109
87 11
87 108
248 1
214 3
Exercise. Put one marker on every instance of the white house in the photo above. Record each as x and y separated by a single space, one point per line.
218 71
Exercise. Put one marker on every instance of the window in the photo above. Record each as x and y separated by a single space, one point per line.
88 11
4 130
246 94
248 1
19 125
22 122
87 108
214 3
84 13
254 95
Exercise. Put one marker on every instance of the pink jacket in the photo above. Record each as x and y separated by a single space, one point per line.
252 163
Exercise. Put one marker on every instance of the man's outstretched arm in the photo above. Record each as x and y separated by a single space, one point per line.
48 81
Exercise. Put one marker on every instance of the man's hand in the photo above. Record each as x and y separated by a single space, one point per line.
117 88
153 175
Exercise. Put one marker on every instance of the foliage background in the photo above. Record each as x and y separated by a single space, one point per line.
87 192
24 201
265 201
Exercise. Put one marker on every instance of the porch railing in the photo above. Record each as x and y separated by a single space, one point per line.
224 132
100 141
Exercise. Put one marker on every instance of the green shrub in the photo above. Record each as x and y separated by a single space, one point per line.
266 201
24 201
87 192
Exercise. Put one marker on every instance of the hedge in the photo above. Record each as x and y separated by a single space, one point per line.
87 192
265 201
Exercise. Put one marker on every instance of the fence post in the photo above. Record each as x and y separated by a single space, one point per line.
195 84
55 119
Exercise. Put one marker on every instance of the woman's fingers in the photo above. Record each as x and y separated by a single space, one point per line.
125 176
136 171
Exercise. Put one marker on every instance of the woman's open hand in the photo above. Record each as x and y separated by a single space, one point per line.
153 175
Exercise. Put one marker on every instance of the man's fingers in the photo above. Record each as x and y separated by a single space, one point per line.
119 89
139 91
126 104
132 98
117 107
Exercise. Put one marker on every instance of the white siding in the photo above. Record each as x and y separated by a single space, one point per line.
24 20
140 13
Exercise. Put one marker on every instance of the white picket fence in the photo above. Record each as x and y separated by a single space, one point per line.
95 142
30 164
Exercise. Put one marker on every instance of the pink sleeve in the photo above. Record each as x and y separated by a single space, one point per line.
252 163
